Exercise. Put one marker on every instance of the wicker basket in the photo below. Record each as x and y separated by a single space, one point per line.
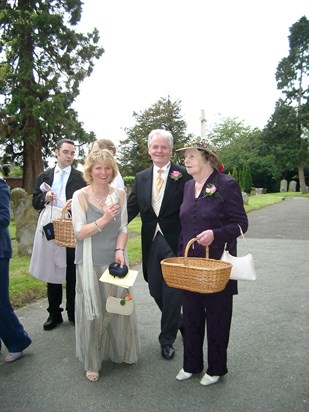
63 228
201 275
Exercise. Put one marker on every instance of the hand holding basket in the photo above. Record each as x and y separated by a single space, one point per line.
63 228
195 274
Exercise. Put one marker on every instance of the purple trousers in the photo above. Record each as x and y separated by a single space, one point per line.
215 312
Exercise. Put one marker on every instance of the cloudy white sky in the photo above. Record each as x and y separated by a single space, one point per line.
219 56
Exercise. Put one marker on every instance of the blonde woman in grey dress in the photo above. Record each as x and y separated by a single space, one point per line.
99 214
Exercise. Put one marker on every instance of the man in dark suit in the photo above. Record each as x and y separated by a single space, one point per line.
157 195
64 180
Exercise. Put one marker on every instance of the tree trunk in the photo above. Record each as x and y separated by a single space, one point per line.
30 127
301 176
33 162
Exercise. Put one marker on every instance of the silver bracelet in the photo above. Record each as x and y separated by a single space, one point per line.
97 226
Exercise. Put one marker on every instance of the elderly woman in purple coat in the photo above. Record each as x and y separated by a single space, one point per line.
211 211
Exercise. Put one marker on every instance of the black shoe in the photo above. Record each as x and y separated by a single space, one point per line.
52 322
168 352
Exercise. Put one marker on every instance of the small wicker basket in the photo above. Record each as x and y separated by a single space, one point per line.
195 274
63 228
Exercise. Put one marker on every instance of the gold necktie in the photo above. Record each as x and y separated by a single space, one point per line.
159 181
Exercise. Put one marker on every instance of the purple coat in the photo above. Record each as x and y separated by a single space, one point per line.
221 212
5 238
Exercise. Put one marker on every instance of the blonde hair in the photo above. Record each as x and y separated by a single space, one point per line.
105 144
99 156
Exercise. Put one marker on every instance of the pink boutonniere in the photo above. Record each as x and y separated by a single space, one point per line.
175 175
211 191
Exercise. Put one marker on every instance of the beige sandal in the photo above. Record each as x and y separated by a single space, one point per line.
92 376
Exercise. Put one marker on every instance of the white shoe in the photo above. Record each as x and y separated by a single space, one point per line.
209 380
182 375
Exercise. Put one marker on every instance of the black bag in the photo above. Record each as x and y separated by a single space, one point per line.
115 270
49 231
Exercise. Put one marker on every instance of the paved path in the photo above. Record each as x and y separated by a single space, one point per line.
268 352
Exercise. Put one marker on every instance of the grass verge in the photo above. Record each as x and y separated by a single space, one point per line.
25 289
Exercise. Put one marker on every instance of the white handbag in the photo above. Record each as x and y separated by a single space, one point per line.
120 306
242 267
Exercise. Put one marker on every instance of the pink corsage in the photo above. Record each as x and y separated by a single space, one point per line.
211 191
175 175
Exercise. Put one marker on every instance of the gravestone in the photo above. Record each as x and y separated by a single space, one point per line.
259 190
25 217
283 186
292 186
245 198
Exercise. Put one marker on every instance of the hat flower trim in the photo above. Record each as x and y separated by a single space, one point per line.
206 145
221 168
175 175
211 191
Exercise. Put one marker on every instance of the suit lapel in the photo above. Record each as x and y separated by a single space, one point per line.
71 176
50 176
147 186
169 188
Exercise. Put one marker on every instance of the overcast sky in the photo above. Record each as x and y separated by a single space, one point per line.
216 56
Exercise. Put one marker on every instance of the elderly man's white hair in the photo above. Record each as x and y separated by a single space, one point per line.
161 132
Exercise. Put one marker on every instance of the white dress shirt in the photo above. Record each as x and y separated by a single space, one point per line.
157 198
59 184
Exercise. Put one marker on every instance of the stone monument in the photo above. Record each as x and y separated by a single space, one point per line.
25 219
283 186
292 186
245 198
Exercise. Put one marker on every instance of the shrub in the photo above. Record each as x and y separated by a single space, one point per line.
128 180
245 179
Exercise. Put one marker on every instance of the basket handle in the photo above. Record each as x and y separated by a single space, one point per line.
65 209
188 247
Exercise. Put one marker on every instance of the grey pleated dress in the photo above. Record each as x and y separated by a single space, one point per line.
110 336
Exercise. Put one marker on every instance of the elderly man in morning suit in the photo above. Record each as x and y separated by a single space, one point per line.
157 195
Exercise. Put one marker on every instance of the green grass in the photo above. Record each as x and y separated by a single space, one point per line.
258 201
135 226
25 289
134 250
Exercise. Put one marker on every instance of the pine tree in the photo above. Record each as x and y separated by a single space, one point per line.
235 174
292 78
133 151
42 62
246 179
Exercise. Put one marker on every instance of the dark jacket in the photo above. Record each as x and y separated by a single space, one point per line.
221 212
140 201
74 183
5 238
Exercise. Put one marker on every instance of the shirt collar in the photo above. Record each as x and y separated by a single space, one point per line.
67 170
164 168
